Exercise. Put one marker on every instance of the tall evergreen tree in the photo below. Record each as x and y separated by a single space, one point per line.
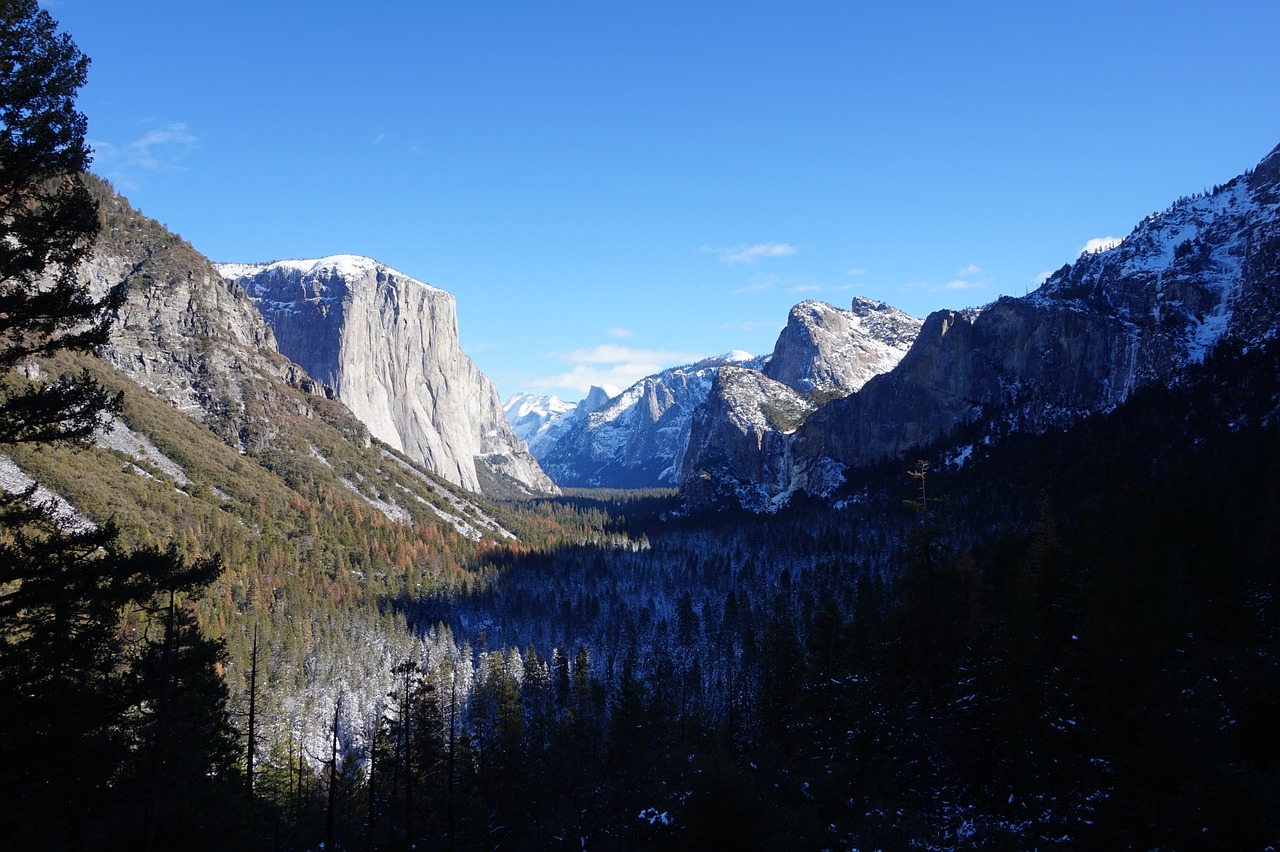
97 737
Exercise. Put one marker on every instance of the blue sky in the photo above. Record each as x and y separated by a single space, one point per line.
611 188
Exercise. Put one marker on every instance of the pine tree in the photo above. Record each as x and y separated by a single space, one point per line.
48 224
91 726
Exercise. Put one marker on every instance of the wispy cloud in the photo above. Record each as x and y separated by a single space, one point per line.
162 149
964 284
855 271
1101 244
620 332
971 269
611 364
747 254
1041 278
805 288
612 353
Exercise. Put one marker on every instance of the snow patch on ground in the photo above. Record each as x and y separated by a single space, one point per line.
14 481
118 436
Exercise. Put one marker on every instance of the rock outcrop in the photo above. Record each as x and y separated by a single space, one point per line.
1142 311
638 438
182 332
738 439
833 352
387 345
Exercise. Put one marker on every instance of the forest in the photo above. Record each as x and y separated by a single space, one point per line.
1065 640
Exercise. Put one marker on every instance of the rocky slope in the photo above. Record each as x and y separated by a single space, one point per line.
1140 312
642 438
638 438
388 346
834 352
742 428
184 333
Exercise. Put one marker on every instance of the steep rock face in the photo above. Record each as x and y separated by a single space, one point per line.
1143 311
823 352
833 352
388 346
182 332
639 437
737 439
644 437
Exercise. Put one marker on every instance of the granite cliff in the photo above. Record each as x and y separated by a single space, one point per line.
834 352
1143 311
387 345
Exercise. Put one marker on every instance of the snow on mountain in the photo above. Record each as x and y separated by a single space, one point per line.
1138 312
835 352
528 413
641 437
637 438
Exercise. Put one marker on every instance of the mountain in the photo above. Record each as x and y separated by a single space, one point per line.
640 439
637 439
388 346
742 427
834 352
540 420
187 342
528 413
1138 313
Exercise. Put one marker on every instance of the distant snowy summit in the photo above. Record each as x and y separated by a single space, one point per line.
387 344
1136 312
632 439
539 420
640 438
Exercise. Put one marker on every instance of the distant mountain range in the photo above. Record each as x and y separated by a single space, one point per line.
841 389
638 438
1144 311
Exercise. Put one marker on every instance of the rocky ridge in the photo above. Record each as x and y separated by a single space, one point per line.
1142 311
835 352
387 344
184 333
637 439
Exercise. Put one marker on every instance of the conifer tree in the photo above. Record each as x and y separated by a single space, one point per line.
90 726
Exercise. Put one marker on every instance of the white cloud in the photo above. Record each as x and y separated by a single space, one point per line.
971 269
805 288
1041 278
160 150
612 353
582 377
755 287
1101 244
961 284
620 332
749 254
611 364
